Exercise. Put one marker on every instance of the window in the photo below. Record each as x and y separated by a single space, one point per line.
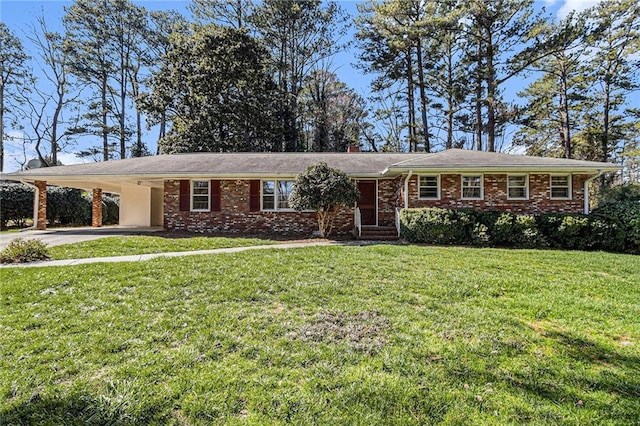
200 195
429 187
472 187
275 194
560 186
518 187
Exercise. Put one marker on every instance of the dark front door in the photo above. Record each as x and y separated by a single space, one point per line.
367 202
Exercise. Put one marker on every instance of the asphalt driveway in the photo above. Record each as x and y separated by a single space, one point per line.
58 236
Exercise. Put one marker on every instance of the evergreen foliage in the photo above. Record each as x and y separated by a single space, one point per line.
215 87
323 189
65 206
612 227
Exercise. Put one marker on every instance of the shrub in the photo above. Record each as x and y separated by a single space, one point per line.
527 234
436 226
20 250
65 206
616 226
16 203
323 189
502 230
566 230
480 235
110 209
615 194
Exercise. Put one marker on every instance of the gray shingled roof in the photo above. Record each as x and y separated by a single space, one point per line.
460 159
270 164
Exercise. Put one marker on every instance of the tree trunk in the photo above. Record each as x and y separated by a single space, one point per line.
54 131
564 117
479 95
413 144
423 98
491 97
105 131
605 126
450 102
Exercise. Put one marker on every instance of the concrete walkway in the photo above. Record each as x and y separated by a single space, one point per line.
142 257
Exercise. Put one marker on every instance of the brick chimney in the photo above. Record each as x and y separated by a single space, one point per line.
353 148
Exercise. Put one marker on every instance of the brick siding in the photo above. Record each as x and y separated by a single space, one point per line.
389 197
495 195
235 217
96 208
41 214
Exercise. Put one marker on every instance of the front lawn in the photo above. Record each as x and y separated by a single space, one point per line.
325 335
147 244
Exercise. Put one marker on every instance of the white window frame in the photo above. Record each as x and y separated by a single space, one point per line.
568 186
201 195
526 187
276 195
462 197
437 197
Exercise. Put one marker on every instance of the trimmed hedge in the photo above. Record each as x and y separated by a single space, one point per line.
65 206
612 227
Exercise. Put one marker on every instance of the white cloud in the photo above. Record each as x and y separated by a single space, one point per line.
14 152
71 158
575 5
550 3
17 152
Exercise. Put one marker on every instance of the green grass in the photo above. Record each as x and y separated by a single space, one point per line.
10 230
325 335
145 244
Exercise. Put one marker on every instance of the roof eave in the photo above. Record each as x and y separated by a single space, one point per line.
503 169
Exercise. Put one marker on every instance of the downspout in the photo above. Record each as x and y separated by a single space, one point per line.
36 205
586 190
406 189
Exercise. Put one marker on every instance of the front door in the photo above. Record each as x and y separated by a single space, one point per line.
368 202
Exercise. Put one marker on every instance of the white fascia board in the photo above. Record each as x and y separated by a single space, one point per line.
506 170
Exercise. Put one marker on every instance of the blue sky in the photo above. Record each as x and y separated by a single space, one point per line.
20 16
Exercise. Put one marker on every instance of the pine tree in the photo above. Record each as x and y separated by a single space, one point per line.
13 74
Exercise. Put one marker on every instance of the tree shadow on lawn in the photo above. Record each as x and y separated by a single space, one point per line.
74 409
617 375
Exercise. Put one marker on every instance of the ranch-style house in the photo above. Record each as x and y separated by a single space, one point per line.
248 192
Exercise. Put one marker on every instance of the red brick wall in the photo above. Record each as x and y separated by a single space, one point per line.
389 197
234 215
41 214
96 208
495 195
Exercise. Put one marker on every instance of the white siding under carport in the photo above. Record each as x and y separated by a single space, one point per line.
140 205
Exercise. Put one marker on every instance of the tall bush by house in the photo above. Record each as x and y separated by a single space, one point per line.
323 189
617 226
16 203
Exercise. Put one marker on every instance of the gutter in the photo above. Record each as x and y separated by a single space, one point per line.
586 190
406 189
